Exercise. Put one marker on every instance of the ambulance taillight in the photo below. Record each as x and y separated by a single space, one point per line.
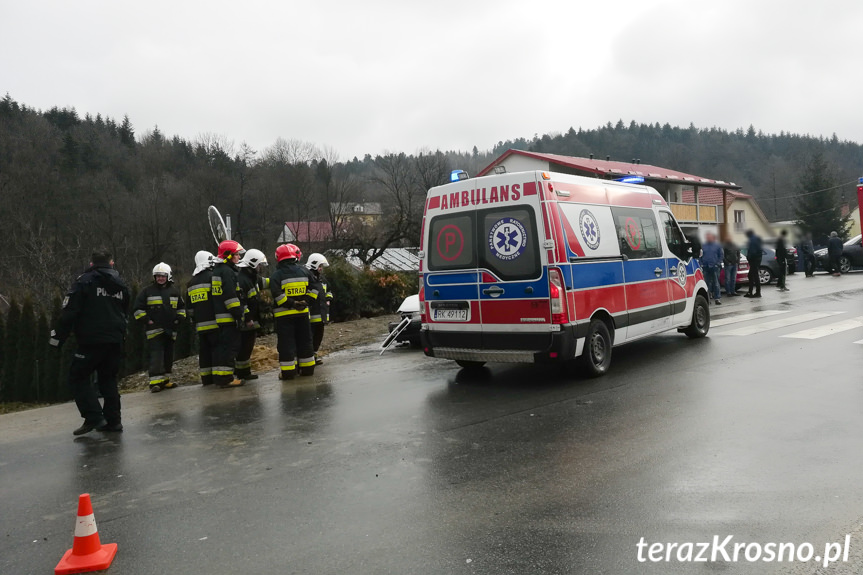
422 302
558 296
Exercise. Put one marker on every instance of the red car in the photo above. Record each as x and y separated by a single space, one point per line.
742 273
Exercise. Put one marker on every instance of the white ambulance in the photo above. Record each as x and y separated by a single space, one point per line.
536 267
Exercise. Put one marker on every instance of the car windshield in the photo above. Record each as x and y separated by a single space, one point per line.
854 240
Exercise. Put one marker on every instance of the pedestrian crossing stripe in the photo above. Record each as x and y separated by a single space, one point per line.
746 317
780 323
829 329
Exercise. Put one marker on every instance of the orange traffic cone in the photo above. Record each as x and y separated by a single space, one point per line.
87 552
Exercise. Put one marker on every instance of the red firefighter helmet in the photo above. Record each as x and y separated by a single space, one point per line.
288 251
227 249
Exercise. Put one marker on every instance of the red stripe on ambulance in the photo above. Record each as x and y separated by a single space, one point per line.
612 298
516 311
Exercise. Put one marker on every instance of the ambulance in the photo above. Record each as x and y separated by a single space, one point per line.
537 267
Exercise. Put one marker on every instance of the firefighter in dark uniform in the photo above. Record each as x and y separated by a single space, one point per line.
160 307
202 314
289 285
250 285
95 310
319 303
229 310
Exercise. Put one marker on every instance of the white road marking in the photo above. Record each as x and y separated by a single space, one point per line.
829 329
780 323
746 317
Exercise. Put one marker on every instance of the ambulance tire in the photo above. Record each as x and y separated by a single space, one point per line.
596 357
469 364
700 319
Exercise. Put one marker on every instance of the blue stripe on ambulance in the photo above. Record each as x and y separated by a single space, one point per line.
443 278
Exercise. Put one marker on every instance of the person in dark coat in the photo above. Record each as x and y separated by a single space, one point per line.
754 253
782 260
834 253
807 250
95 310
711 261
730 261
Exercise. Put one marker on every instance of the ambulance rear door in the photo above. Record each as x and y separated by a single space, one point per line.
451 276
513 280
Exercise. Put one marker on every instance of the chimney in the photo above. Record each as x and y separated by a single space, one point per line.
591 156
607 158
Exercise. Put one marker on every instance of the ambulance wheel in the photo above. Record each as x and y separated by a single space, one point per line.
700 319
596 357
469 364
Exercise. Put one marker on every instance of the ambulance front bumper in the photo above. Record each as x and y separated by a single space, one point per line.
537 348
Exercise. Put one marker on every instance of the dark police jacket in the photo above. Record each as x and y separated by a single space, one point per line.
162 305
754 250
95 309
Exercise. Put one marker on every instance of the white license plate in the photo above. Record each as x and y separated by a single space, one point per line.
450 314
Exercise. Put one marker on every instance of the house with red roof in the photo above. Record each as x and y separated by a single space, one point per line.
699 204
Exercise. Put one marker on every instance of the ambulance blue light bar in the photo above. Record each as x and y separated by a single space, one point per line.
631 180
457 175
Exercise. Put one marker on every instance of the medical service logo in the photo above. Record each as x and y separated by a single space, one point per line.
589 229
681 274
507 239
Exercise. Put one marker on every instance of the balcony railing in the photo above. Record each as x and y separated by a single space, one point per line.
695 213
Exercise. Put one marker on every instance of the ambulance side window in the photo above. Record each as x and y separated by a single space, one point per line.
674 237
508 243
451 242
637 233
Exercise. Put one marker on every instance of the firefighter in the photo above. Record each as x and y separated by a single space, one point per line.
228 309
95 309
250 285
202 313
319 302
289 285
160 307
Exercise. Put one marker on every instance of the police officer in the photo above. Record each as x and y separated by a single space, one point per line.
95 310
225 298
160 307
319 302
202 313
289 285
250 285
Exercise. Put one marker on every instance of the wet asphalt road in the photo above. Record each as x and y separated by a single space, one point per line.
405 464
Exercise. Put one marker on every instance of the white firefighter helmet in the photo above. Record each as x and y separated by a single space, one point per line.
203 260
162 268
316 261
252 259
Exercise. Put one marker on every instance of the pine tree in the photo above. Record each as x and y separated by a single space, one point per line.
818 208
25 369
10 350
127 133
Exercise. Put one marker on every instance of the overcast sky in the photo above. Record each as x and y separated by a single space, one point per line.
366 77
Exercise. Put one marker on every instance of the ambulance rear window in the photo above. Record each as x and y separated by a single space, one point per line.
637 233
451 242
509 244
